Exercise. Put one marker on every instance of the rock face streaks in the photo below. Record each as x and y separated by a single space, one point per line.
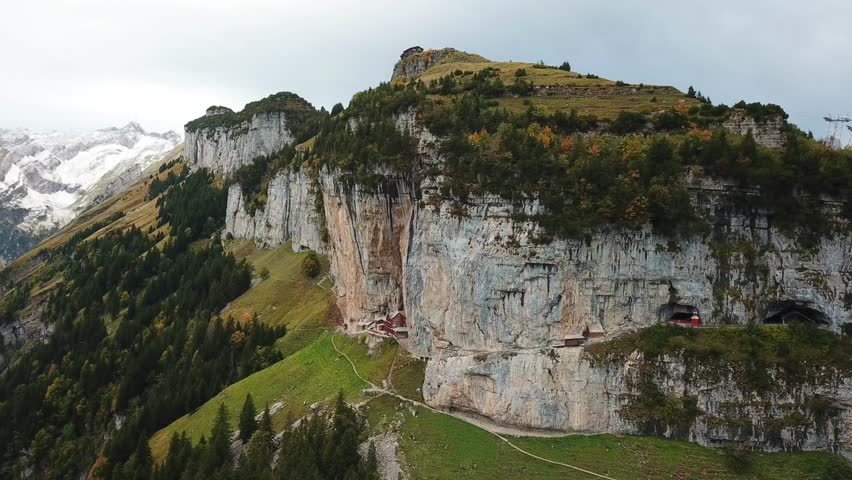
289 214
486 304
225 149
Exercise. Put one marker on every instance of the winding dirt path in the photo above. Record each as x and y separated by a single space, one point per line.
479 425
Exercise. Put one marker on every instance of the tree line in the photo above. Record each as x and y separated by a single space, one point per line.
136 342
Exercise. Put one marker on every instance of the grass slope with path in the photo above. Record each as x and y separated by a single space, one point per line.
436 446
314 374
286 297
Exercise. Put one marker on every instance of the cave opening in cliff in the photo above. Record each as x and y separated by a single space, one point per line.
786 312
676 312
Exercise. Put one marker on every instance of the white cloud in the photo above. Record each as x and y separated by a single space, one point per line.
91 63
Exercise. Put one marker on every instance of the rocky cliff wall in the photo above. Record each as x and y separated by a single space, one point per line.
486 302
561 389
769 133
290 214
368 235
413 64
480 282
225 149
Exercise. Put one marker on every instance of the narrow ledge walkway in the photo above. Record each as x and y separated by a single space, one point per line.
463 419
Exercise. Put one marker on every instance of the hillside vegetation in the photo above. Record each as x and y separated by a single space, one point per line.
134 335
596 155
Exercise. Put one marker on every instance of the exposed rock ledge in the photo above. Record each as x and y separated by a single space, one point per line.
478 287
289 215
225 149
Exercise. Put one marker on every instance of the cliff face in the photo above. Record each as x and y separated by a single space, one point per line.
289 214
480 283
225 149
561 389
769 133
486 303
415 61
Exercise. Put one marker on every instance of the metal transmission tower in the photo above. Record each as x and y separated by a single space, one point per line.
835 130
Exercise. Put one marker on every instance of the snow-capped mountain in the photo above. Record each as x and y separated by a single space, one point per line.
48 178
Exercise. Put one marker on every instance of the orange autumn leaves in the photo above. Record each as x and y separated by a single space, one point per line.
543 135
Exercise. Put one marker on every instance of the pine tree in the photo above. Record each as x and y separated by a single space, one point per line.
341 450
180 452
248 424
370 468
218 452
257 462
748 148
691 92
142 459
266 421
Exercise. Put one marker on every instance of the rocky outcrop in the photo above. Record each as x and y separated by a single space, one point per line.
224 149
415 61
290 214
561 389
368 235
481 283
769 133
23 330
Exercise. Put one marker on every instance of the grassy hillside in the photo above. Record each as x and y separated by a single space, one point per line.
314 374
436 446
587 94
286 297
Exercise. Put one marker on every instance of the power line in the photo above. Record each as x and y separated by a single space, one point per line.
835 133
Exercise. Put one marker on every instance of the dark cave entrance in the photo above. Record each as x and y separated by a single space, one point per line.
787 312
676 312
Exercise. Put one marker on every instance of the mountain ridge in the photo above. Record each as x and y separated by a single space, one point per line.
47 178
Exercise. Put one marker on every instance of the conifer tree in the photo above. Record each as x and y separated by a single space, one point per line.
218 452
248 424
142 459
266 421
370 468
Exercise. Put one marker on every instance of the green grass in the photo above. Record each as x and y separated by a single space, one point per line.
539 76
603 106
315 373
651 458
436 446
407 376
287 297
296 340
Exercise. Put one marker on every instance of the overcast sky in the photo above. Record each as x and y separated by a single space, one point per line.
82 64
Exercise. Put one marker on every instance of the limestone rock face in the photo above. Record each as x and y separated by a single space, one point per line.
480 283
225 149
769 133
486 303
368 235
560 389
289 214
22 331
415 61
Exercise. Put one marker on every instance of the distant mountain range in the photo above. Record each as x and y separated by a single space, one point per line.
47 178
